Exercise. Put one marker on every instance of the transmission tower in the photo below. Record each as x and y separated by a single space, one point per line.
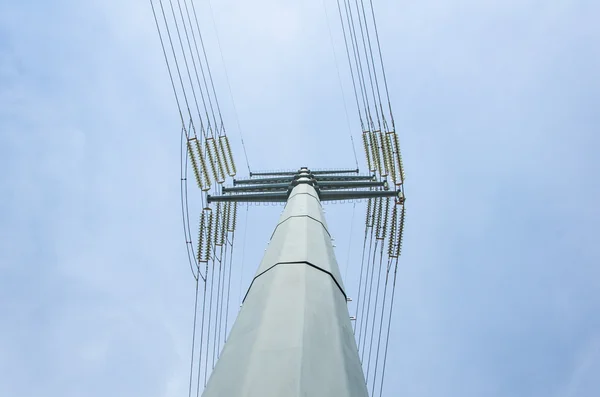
293 335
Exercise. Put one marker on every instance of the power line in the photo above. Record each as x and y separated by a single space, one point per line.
243 255
349 244
193 339
175 58
229 287
387 338
387 274
362 34
340 85
375 312
367 314
185 58
221 129
350 66
209 321
358 63
218 312
372 62
362 262
202 336
168 65
364 296
382 67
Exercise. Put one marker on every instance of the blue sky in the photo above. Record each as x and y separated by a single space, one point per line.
496 105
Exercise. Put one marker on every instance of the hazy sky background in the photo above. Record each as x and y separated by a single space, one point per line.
496 104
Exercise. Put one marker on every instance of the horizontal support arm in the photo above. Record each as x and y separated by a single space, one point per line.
319 178
350 185
256 188
326 172
320 185
319 172
334 195
275 197
327 195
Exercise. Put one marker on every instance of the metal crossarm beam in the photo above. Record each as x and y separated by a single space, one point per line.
278 173
262 181
322 178
276 197
325 172
350 185
327 190
318 177
334 195
326 195
320 185
256 188
318 172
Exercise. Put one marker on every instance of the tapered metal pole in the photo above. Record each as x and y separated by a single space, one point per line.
293 335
